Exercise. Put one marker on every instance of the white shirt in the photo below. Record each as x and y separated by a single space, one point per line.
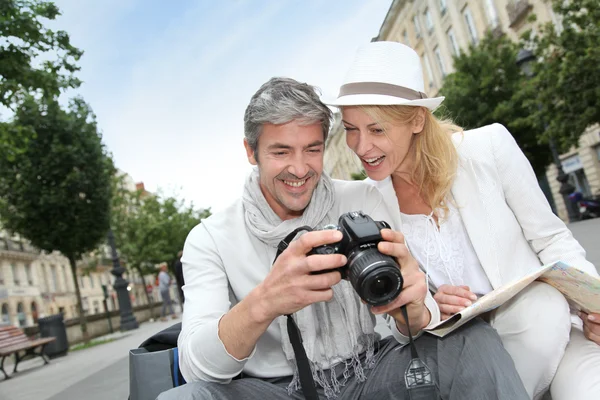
222 263
445 253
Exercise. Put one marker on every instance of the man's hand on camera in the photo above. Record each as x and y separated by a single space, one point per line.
290 286
414 289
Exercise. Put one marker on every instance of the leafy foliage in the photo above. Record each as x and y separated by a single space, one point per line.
567 78
486 88
55 179
150 229
33 59
358 176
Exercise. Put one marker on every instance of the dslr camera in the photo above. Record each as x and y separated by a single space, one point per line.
375 276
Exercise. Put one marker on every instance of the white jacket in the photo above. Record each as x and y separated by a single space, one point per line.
507 217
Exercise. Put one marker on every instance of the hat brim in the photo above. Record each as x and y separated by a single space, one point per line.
383 100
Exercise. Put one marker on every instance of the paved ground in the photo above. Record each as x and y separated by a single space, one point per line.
588 234
99 372
102 372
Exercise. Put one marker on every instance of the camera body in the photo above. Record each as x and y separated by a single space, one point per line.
375 276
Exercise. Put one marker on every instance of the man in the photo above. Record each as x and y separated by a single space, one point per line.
234 341
164 282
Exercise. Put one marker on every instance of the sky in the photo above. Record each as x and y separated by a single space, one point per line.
169 81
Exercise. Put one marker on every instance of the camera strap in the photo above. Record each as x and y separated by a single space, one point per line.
307 382
418 378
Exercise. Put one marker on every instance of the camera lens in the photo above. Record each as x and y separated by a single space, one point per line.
381 285
375 277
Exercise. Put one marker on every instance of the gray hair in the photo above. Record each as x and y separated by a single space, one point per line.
282 100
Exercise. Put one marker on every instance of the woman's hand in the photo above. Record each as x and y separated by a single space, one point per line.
591 326
453 299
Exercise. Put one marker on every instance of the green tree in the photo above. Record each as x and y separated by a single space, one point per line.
486 88
150 229
567 78
55 180
358 176
33 59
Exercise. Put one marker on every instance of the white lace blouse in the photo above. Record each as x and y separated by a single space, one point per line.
446 253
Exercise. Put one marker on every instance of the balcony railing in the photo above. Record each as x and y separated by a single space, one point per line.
517 10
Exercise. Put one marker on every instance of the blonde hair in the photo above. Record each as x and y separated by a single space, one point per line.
435 157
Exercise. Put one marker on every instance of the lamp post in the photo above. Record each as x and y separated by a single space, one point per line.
525 60
128 321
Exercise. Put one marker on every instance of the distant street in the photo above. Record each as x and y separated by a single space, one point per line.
102 372
588 234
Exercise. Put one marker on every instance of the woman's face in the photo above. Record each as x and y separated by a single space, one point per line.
381 147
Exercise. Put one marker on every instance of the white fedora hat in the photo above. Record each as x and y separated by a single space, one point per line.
385 73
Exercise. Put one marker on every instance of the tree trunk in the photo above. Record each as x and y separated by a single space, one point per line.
82 319
148 298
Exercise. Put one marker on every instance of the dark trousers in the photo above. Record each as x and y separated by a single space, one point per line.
468 364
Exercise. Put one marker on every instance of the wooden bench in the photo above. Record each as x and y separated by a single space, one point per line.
14 341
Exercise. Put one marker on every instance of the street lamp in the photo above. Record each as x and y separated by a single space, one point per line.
525 60
128 321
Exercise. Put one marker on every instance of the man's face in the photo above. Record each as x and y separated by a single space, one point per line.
290 163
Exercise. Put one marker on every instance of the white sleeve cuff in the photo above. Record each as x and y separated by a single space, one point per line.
434 310
214 361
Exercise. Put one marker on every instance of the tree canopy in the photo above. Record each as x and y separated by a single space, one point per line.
486 88
33 58
55 179
151 228
566 83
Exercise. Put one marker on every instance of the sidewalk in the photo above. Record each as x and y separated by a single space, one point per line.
99 372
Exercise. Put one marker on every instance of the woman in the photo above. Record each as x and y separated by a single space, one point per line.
473 216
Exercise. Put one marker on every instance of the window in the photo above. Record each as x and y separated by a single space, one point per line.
96 307
440 61
45 275
15 274
1 275
417 27
405 38
492 15
5 316
428 70
21 314
471 26
428 21
29 275
91 281
80 282
453 42
580 181
443 7
68 283
54 280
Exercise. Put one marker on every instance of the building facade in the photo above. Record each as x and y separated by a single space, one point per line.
440 29
340 162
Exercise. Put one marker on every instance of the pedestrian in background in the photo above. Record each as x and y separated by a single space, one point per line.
164 282
179 278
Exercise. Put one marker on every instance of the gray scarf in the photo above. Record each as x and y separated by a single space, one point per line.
332 332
